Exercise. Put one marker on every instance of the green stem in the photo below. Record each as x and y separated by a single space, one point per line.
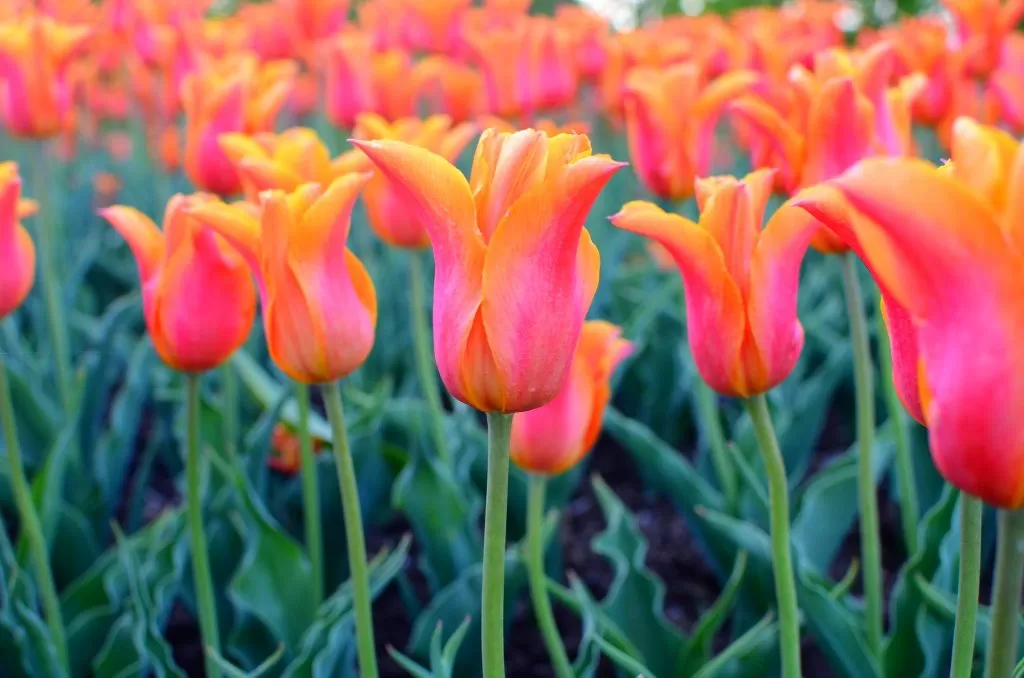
229 382
535 569
47 241
354 538
30 525
499 432
711 427
200 557
310 494
967 595
1002 643
427 373
778 499
871 558
910 512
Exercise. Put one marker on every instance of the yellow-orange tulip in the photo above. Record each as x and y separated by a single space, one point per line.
17 253
555 437
197 295
319 304
516 270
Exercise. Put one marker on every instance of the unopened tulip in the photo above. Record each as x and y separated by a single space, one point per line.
740 282
394 219
17 253
671 146
319 304
236 95
945 246
515 269
36 53
555 437
197 294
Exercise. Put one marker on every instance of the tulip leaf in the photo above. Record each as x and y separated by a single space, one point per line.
326 648
698 652
635 599
430 497
756 642
267 391
829 504
903 652
442 660
48 486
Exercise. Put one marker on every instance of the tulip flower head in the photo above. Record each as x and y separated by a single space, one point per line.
319 304
283 161
36 53
17 253
671 147
359 79
197 294
740 281
392 218
946 247
234 95
555 437
516 270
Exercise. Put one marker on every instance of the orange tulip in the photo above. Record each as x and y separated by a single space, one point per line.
17 253
319 304
433 25
392 218
287 451
981 27
555 437
448 87
234 95
36 53
197 295
283 161
516 270
670 146
362 80
740 282
546 125
946 247
845 111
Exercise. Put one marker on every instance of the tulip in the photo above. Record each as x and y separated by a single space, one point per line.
945 248
36 53
235 95
981 28
504 347
392 218
669 146
555 437
197 294
17 253
740 281
448 87
360 79
282 161
319 305
516 272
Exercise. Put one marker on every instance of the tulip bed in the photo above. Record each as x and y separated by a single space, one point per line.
745 406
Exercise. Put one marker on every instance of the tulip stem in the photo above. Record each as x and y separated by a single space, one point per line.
967 593
310 494
47 240
203 582
1002 643
30 524
782 557
499 432
871 559
711 428
229 383
424 356
535 570
909 508
354 538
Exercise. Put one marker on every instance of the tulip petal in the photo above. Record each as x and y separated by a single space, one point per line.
240 228
1013 219
716 323
142 235
905 356
441 196
773 130
840 131
533 305
505 166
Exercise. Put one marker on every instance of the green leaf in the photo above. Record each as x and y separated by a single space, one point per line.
442 661
48 486
625 662
750 644
636 596
829 504
698 652
445 526
267 391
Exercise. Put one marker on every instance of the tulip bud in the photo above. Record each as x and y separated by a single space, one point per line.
17 253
